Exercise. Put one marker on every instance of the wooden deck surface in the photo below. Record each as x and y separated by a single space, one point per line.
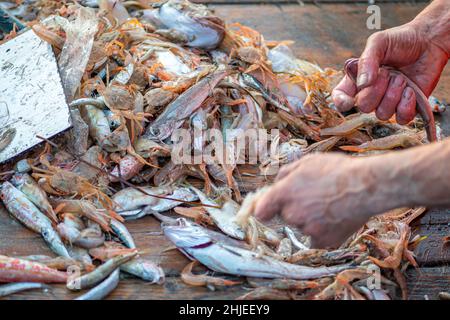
328 35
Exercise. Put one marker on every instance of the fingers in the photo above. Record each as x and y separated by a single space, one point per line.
406 109
391 98
286 170
370 97
271 204
370 60
344 93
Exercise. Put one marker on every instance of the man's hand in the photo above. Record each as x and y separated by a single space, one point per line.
328 196
413 49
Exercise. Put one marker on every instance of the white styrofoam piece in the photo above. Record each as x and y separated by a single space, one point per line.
32 99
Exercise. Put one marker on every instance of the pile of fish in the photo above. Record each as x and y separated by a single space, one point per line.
136 71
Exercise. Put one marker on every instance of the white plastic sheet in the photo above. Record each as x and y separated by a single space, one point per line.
77 49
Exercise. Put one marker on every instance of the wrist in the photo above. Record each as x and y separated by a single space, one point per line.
414 177
386 183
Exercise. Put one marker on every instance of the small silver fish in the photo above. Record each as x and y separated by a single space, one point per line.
27 213
11 288
25 183
224 217
144 269
100 273
198 245
122 233
131 199
103 289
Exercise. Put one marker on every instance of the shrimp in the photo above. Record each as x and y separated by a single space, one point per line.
302 126
351 124
342 283
401 140
204 280
257 60
49 36
63 183
87 209
197 213
109 250
158 98
58 263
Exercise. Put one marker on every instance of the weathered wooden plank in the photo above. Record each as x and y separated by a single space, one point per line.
435 216
433 250
134 289
426 283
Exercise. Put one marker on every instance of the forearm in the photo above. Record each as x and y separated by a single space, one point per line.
434 23
414 177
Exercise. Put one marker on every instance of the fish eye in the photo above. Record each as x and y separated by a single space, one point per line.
155 131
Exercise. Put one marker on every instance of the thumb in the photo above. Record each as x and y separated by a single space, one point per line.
370 60
271 204
343 94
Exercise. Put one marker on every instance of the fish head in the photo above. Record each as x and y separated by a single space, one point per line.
185 193
234 230
195 21
186 235
54 241
152 272
17 179
159 131
247 80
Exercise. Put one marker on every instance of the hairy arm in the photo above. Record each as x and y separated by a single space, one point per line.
415 177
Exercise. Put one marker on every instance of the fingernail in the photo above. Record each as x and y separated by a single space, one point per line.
363 78
341 98
398 81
